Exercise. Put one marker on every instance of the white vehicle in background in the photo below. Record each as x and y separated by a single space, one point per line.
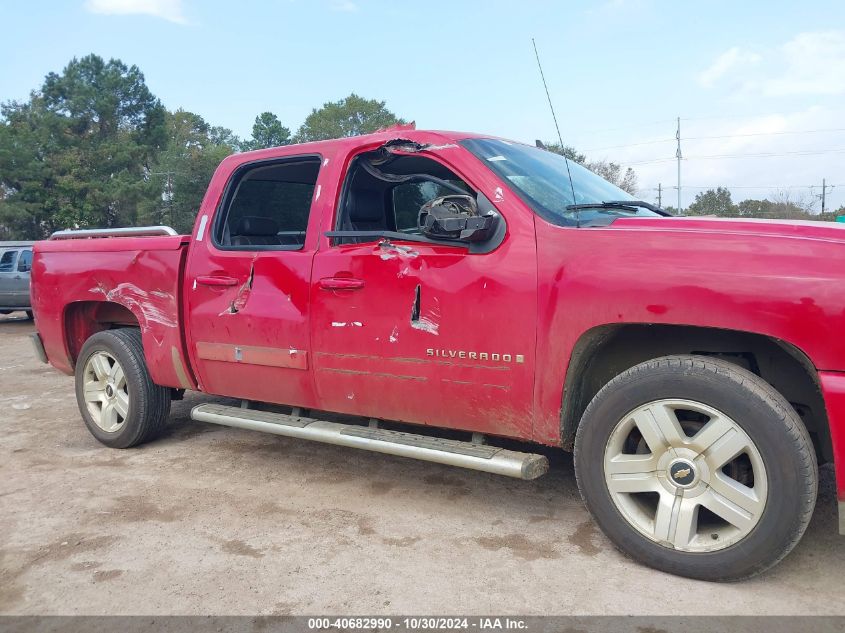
15 266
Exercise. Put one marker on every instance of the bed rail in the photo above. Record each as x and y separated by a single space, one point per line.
132 231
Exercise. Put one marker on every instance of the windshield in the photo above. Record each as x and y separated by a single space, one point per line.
540 178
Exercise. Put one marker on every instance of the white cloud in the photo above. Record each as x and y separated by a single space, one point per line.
812 64
170 10
345 6
729 61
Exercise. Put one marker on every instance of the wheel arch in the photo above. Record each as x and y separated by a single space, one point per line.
83 319
606 351
165 355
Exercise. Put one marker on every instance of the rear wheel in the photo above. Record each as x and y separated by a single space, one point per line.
119 402
696 467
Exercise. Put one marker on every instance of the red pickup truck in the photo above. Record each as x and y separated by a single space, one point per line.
446 291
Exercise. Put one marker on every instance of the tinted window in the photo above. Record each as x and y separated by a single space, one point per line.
267 207
7 261
542 180
25 262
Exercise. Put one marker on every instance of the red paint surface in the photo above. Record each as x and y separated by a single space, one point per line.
833 388
536 295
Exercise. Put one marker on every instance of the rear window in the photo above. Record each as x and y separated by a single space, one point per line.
7 261
268 205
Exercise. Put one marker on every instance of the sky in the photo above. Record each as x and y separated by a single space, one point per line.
759 85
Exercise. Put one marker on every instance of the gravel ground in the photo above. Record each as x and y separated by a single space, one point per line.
210 520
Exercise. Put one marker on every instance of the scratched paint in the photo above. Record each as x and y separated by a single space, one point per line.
154 307
425 324
396 251
347 324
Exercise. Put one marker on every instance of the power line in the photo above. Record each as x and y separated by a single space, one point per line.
756 116
731 156
668 121
759 186
655 142
720 136
835 129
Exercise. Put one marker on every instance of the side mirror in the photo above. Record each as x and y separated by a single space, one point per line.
456 217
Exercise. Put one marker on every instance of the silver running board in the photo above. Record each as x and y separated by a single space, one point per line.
490 459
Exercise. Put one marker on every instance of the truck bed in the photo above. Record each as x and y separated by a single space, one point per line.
81 286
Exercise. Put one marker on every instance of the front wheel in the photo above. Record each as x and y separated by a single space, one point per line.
696 467
119 402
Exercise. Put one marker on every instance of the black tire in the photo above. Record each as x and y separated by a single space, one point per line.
149 404
766 417
29 315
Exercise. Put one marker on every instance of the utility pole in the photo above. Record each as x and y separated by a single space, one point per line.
679 156
660 195
823 195
824 190
167 194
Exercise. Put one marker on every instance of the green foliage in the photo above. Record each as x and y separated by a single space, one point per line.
713 202
765 208
183 169
93 147
565 150
351 116
718 202
267 131
76 153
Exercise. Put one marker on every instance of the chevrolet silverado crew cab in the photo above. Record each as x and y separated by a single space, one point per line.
446 291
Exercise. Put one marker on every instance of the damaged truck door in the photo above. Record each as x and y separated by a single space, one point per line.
403 323
250 276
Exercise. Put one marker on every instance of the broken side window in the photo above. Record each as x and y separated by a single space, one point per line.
408 198
387 195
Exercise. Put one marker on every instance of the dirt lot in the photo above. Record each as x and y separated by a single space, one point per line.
216 520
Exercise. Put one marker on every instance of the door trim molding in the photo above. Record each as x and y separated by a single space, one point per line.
251 355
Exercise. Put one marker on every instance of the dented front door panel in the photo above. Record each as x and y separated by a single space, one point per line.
428 334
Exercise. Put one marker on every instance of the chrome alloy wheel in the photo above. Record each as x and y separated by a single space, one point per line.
106 393
685 475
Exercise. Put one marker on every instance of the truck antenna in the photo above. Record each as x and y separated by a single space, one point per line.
554 117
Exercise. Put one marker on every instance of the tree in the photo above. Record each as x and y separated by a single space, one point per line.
772 210
75 155
713 202
610 171
351 116
183 169
564 150
267 131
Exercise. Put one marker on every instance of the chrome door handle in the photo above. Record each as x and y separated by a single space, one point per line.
211 280
341 283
